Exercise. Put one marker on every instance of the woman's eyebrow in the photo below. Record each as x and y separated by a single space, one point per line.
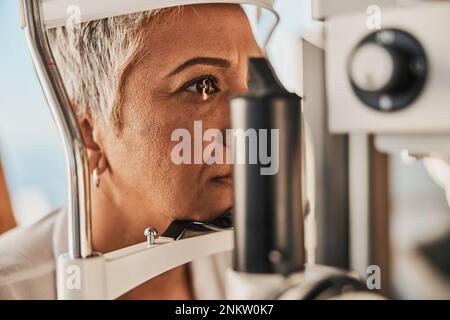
217 62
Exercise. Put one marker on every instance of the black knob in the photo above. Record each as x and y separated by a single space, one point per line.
388 70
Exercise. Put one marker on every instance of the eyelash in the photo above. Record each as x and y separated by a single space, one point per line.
199 82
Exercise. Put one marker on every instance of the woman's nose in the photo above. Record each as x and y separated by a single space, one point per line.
238 86
241 88
240 83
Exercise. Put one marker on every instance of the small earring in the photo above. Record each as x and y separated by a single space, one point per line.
96 178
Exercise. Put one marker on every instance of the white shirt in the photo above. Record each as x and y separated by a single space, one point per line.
28 263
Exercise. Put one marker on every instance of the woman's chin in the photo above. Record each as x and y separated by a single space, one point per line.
217 201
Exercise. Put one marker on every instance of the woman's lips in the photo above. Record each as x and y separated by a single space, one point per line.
224 179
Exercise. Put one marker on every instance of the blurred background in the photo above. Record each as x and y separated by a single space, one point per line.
29 146
33 161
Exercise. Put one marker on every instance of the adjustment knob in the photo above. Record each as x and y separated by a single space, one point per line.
365 69
388 70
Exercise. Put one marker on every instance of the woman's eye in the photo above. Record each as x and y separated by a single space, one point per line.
204 87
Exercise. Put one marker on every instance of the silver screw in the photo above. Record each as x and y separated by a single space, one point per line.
418 67
275 256
385 102
151 235
307 208
386 37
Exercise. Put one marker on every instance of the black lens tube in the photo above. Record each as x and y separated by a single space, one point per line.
269 204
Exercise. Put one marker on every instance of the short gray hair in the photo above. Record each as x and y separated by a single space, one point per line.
94 59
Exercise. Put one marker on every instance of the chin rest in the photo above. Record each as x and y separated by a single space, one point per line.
180 229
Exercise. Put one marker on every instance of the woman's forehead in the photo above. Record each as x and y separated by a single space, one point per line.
196 20
198 31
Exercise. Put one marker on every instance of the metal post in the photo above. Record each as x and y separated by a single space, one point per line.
78 199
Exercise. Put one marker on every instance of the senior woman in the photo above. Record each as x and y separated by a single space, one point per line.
133 80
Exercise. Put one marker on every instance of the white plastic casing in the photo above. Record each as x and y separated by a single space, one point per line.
429 23
322 9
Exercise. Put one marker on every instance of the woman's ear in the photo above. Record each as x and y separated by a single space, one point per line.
96 156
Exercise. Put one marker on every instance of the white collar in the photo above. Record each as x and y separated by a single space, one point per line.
60 235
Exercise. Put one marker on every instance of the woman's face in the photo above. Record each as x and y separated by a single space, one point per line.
204 46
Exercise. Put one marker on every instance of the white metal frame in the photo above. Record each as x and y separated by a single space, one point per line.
111 275
55 11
